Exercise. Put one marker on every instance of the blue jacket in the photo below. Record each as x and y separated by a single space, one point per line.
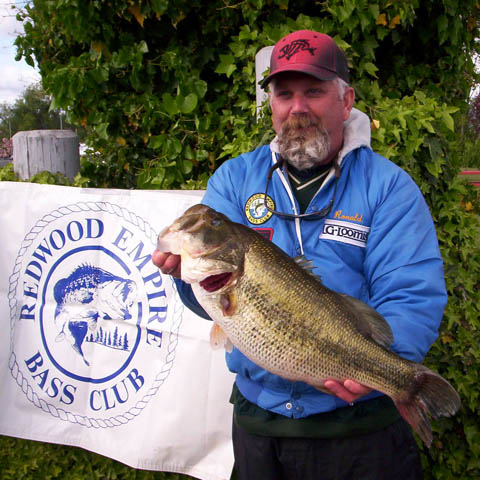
377 244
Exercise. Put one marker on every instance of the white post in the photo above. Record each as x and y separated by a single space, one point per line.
53 150
262 62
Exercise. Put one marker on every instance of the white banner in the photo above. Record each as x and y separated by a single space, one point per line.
97 350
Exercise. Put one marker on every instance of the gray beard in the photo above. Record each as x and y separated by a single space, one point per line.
304 153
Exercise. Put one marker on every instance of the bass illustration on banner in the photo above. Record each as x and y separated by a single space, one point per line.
86 295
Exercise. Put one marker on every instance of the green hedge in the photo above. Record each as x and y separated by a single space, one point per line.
29 460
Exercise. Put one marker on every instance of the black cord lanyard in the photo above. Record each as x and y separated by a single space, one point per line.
321 213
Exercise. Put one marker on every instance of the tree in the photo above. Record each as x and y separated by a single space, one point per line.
168 91
32 112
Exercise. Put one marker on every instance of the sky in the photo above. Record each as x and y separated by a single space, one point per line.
15 77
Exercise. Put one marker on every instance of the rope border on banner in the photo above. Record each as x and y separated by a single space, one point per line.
18 376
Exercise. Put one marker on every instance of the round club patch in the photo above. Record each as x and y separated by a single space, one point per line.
255 209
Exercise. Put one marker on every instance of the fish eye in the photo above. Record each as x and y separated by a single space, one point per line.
216 222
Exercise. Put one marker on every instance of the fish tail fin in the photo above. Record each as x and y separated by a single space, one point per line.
430 393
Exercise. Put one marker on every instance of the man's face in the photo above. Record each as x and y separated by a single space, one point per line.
308 108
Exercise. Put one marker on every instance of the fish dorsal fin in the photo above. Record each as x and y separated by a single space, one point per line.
369 322
306 264
219 339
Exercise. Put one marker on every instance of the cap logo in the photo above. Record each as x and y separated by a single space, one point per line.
294 47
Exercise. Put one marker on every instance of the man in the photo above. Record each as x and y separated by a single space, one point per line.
319 190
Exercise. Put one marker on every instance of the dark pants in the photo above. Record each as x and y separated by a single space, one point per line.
389 454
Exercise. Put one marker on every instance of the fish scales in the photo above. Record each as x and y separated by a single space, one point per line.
285 320
302 344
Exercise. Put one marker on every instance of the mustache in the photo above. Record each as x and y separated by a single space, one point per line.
300 126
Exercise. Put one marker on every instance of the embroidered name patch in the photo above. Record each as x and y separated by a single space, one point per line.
345 232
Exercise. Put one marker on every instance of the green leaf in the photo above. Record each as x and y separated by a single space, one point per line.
173 147
365 20
101 130
200 87
29 60
374 10
344 12
187 167
427 125
226 65
371 69
187 104
434 168
448 121
157 141
53 105
188 152
142 47
159 176
169 104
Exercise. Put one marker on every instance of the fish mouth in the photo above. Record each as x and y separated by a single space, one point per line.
213 283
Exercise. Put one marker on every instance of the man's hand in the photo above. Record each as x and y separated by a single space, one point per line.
168 263
349 390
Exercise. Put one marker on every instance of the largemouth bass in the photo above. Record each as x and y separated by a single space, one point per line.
279 315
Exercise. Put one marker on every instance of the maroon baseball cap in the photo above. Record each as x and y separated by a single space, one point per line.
308 52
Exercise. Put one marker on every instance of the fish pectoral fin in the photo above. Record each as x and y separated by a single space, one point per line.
218 338
369 322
